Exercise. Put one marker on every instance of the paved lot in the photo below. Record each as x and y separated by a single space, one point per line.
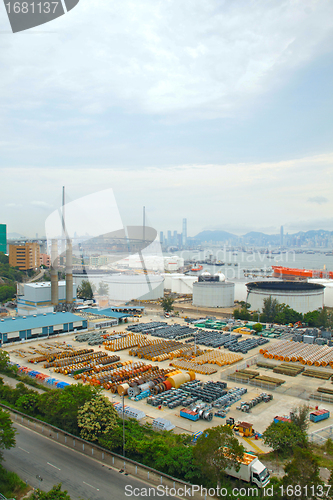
285 398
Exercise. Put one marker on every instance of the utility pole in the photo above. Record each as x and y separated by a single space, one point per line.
123 426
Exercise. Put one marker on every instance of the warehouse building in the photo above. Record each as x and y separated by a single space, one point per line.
40 325
213 291
35 298
300 296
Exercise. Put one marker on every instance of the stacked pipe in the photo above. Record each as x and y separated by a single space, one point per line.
306 354
65 355
218 358
194 367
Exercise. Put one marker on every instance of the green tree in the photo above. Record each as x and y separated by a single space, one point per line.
96 417
167 304
284 436
54 494
4 361
210 452
61 407
7 432
85 290
270 309
300 417
257 327
103 288
302 476
4 259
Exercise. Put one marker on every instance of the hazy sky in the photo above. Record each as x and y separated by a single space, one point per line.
218 111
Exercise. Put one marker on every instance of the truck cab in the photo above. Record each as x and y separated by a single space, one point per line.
259 474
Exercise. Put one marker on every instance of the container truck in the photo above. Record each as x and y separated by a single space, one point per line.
251 470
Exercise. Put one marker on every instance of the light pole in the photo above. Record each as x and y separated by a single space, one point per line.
123 427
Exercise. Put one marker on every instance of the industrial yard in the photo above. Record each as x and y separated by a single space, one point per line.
164 374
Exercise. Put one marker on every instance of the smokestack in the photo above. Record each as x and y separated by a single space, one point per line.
54 273
69 273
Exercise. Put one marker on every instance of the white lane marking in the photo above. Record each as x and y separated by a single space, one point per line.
91 486
48 463
23 449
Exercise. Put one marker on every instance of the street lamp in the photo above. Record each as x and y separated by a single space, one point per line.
123 426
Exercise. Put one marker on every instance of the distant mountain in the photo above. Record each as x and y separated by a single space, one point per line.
215 236
14 236
258 238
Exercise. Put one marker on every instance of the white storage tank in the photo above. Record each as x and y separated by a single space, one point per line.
126 287
209 291
300 296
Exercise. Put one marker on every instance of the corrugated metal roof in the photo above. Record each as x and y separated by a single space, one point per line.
107 312
20 323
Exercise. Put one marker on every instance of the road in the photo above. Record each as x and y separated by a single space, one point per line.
83 477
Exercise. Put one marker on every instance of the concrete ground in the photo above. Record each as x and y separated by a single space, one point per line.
284 399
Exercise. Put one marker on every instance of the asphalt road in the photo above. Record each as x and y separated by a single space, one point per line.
83 477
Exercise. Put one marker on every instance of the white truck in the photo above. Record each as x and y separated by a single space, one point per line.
251 470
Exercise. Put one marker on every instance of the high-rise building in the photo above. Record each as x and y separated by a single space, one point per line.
184 232
175 238
161 237
281 236
3 238
24 256
169 238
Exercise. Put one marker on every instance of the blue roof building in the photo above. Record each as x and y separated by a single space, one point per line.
39 325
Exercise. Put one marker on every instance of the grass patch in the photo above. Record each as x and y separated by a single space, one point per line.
11 485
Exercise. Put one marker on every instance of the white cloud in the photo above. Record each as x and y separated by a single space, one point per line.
253 195
195 58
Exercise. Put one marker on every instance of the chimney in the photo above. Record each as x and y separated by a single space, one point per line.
54 273
69 273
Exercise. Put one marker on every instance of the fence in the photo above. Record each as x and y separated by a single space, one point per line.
322 435
240 366
114 460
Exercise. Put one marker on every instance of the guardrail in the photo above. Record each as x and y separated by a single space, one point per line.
131 467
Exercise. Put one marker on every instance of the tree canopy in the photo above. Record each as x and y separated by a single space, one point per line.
7 432
85 290
167 304
217 449
54 494
284 436
302 476
96 417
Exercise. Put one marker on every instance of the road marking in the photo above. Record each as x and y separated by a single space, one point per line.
48 463
23 449
91 486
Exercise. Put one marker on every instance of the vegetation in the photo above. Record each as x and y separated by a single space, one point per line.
10 484
274 312
7 432
302 476
300 417
103 288
96 418
85 290
167 304
54 494
209 455
12 371
284 436
257 327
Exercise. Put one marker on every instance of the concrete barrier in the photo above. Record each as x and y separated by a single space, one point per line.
135 469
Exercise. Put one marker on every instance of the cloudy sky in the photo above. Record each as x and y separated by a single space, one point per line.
218 111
